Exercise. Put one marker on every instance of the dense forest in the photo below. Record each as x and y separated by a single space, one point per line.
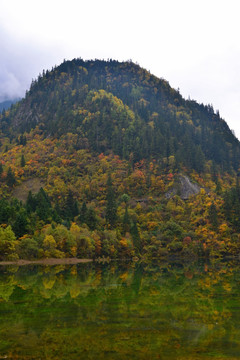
93 161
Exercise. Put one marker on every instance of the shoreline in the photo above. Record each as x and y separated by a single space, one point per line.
50 261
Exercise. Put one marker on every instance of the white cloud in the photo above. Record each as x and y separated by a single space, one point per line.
20 62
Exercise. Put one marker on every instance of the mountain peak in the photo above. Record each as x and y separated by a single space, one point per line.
121 107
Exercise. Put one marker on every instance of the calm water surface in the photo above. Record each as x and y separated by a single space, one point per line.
120 311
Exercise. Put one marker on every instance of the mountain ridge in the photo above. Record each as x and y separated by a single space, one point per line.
131 104
6 104
88 156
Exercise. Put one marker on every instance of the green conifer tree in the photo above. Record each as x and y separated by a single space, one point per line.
126 221
91 218
10 179
43 205
111 207
23 162
83 213
71 206
20 224
136 237
218 188
213 216
31 202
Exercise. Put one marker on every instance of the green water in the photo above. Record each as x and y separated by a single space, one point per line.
120 311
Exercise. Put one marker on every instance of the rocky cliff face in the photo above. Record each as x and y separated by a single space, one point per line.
185 188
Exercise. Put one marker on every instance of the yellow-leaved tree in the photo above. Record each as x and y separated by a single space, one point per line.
8 244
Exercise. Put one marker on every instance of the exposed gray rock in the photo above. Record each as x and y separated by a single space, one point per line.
185 188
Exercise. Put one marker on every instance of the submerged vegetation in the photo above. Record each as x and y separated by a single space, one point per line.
92 162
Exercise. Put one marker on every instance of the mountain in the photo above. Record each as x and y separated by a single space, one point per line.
121 107
5 105
103 159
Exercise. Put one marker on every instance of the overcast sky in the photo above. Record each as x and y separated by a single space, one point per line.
193 44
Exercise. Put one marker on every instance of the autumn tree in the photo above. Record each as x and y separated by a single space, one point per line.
7 244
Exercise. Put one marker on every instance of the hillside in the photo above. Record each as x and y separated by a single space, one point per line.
121 107
103 159
5 105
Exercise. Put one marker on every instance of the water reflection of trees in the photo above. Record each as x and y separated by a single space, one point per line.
167 308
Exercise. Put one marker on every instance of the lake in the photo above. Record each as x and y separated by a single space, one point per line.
121 311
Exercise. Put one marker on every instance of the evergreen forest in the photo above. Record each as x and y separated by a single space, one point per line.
101 159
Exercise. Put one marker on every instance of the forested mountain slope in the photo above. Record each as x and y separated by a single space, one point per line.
92 164
5 105
121 107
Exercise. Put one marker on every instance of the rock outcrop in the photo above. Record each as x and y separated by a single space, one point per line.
185 188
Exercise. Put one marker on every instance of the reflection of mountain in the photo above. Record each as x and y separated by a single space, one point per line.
101 310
